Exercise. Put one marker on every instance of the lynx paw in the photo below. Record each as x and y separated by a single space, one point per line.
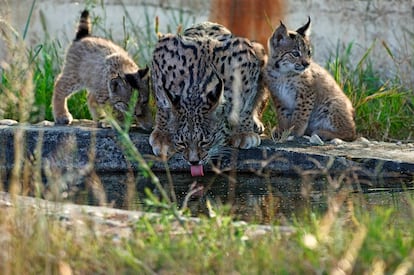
258 127
64 119
282 135
245 140
160 143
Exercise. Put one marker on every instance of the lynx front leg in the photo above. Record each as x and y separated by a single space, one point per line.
97 113
160 138
244 135
302 112
64 87
283 119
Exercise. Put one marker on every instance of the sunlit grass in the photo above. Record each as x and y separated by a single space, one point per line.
356 241
347 238
384 107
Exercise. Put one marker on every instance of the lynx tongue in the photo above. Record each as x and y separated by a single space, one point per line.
197 170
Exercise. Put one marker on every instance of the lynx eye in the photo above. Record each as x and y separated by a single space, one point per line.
296 53
180 145
203 144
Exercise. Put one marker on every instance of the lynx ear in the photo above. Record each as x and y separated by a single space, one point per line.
143 72
132 80
305 29
135 78
214 93
174 99
214 96
279 35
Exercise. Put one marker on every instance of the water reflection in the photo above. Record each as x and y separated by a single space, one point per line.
261 199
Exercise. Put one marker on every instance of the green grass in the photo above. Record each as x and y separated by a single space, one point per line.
384 107
355 240
351 235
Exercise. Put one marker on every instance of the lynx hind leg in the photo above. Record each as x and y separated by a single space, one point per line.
160 138
64 87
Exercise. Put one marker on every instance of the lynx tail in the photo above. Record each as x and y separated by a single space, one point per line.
84 27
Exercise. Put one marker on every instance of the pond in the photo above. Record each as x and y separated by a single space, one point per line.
248 197
273 182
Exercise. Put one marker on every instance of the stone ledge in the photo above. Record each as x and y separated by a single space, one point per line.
70 146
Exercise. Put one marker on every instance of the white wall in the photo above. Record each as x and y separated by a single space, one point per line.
361 22
334 23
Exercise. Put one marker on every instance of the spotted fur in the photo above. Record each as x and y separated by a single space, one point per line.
206 88
108 74
306 97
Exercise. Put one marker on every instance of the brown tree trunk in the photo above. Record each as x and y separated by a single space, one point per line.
253 19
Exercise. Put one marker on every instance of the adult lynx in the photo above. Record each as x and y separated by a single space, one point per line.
307 98
206 87
107 72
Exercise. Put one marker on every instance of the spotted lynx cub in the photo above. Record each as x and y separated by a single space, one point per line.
305 95
206 88
108 74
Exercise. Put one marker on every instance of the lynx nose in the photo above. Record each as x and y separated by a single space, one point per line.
305 63
193 157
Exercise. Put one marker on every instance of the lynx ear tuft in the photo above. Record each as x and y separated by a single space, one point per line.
305 29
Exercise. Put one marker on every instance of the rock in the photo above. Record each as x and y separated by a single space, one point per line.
8 122
337 141
45 123
316 140
72 148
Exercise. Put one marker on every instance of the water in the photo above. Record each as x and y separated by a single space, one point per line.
249 197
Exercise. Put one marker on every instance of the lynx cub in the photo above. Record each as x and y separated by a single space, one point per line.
206 88
306 97
107 72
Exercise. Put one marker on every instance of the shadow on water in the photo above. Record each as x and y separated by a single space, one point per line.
249 197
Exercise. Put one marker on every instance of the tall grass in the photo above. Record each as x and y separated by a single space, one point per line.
348 239
345 239
384 107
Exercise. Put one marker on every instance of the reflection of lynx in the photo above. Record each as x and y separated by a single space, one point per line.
248 18
107 72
